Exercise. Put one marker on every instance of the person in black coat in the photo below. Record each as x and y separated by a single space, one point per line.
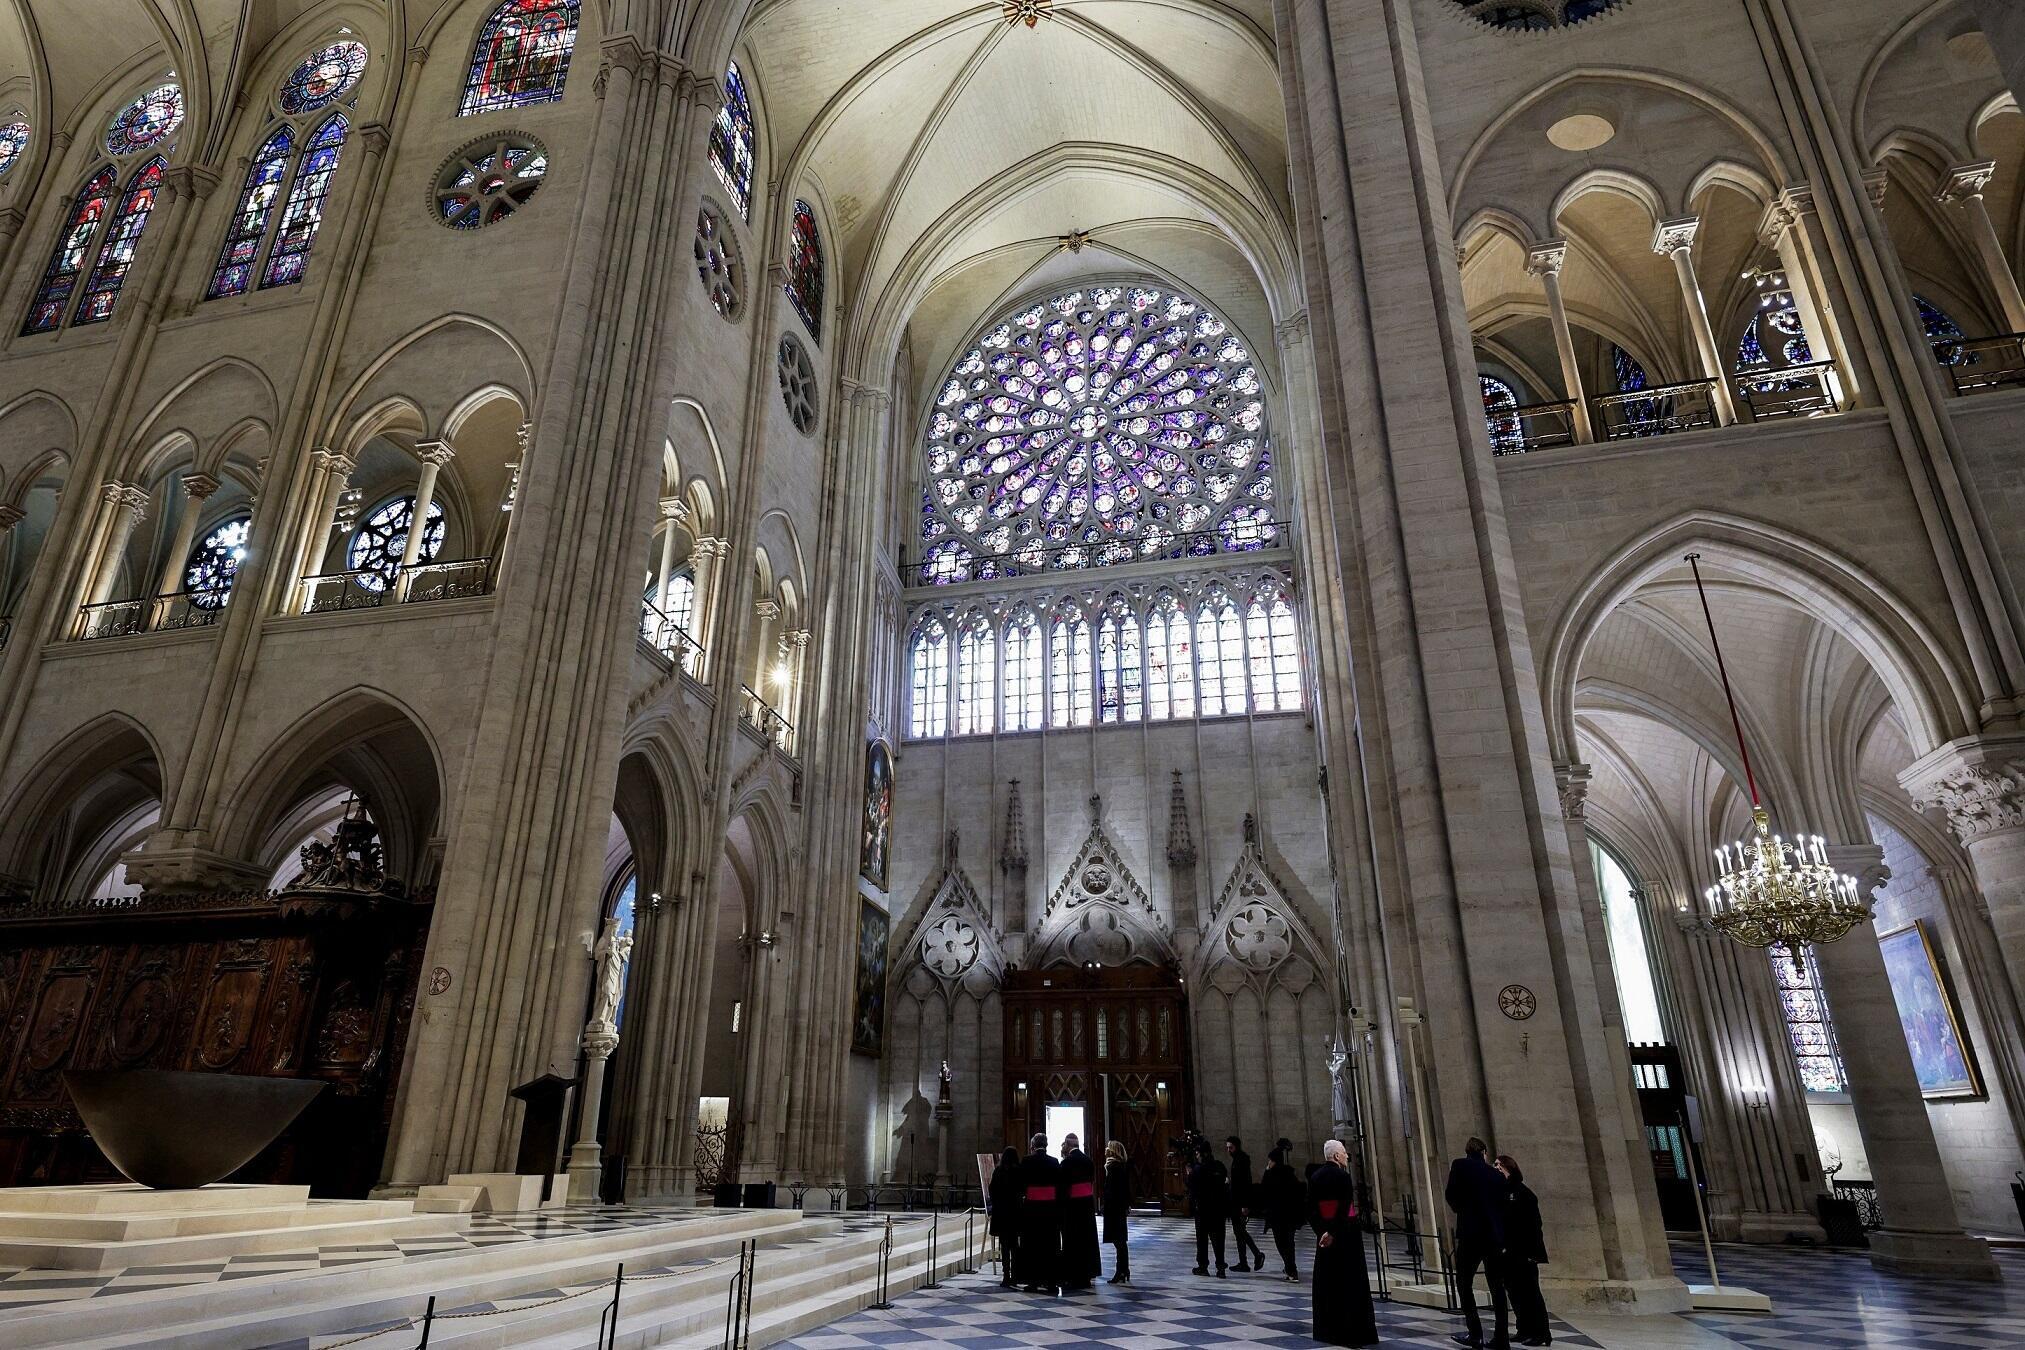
1241 1200
1476 1193
1003 1202
1209 1197
1117 1205
1080 1263
1525 1253
1040 1220
1283 1204
1342 1291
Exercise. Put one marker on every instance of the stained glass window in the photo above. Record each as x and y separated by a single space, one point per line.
1274 653
13 140
1120 667
1170 660
214 562
324 78
288 260
928 706
682 600
731 140
1220 634
1808 1022
1773 335
1069 671
805 270
94 199
625 912
489 180
522 56
1624 367
148 120
1935 320
249 222
976 676
1102 426
1023 686
122 240
1500 409
377 545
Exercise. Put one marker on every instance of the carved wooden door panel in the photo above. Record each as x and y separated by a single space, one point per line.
53 1024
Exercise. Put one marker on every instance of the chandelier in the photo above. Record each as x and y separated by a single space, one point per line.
1771 891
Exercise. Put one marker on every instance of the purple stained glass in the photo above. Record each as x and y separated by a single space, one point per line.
522 56
45 312
122 241
1097 428
13 140
249 222
303 214
148 120
324 78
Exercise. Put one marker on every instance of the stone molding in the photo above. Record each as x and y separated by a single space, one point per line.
1978 782
1676 235
1547 258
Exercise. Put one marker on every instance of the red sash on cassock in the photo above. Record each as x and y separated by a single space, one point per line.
1328 1208
1082 1190
1040 1195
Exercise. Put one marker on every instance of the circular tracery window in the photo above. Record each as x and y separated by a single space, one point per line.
207 576
324 78
489 180
148 120
1106 425
13 140
377 546
717 262
1534 14
797 384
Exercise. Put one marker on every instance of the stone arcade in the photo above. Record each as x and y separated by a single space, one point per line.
681 597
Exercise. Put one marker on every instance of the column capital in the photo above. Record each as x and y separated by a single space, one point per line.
1875 182
376 137
1964 181
1676 235
798 638
12 218
858 391
127 498
192 182
199 485
1865 862
1794 202
1547 258
675 509
1292 331
331 462
712 547
1978 782
10 516
1571 780
435 453
767 609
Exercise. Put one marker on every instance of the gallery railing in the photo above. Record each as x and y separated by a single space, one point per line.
767 720
1662 410
370 588
1811 390
1536 426
1978 365
668 637
948 568
162 614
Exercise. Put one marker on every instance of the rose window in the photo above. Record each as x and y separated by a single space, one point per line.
950 947
489 180
797 385
1534 14
716 262
1106 425
147 121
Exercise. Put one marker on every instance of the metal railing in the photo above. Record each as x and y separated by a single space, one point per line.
1980 364
1240 537
331 592
738 1299
767 719
1811 390
668 637
162 614
1536 426
1662 410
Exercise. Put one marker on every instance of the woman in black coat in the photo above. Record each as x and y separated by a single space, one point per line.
1282 1204
1525 1253
1117 1204
1003 1204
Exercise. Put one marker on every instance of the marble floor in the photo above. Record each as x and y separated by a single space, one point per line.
1821 1300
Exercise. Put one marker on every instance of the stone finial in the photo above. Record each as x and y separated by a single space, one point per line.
1180 841
1676 235
1012 856
1096 807
1547 258
952 848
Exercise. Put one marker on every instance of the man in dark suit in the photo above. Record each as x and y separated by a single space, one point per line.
1241 1204
1476 1193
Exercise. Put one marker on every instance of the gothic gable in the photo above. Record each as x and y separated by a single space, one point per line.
952 942
1099 912
1255 934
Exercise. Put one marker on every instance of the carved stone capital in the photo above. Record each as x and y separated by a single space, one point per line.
331 462
796 638
435 453
1547 258
768 610
1794 203
1571 781
192 182
132 499
11 219
1673 236
159 871
625 51
1979 799
675 509
1865 862
1965 181
199 485
376 137
1293 330
1875 182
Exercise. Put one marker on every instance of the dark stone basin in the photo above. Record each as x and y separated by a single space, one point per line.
172 1130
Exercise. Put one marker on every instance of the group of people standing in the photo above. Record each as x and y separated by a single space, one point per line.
1498 1231
1044 1214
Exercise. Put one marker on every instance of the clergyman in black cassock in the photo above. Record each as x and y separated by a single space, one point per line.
1080 1262
1004 1201
1342 1292
1209 1194
1040 1219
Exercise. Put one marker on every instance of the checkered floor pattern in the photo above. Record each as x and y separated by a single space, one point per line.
1164 1306
1823 1299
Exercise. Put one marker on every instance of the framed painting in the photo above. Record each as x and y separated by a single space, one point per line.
868 1008
1941 1053
875 848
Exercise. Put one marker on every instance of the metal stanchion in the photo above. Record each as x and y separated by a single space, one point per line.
428 1319
969 1243
934 1231
608 1320
885 1261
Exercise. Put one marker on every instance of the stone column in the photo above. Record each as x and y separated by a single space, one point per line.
674 514
1792 228
766 612
1962 187
1675 239
197 489
708 562
434 455
1545 260
1979 782
1922 1233
126 508
586 1164
795 651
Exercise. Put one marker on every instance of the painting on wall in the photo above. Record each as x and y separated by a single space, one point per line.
1941 1054
875 849
868 1009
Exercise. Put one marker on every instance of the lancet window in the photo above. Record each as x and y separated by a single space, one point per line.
1170 660
1070 675
1120 664
1501 406
1273 652
1024 688
731 142
522 56
805 270
976 676
928 672
1807 1022
1220 634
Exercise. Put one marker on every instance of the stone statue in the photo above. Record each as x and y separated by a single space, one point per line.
611 955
